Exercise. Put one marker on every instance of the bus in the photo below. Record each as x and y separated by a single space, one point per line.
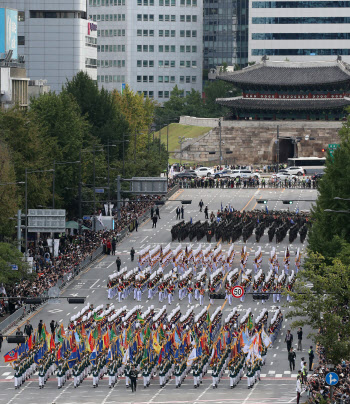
311 165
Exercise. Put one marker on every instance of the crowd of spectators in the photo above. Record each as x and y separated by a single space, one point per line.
73 249
316 387
226 183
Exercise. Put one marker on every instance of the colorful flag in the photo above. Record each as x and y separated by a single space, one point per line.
156 345
250 323
140 319
97 317
52 343
91 341
11 356
30 342
106 340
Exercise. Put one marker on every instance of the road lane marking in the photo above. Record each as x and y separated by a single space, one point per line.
94 283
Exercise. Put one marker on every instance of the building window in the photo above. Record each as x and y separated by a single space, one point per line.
194 18
161 17
172 63
139 32
188 33
150 79
188 63
21 16
150 94
194 63
194 34
151 63
139 17
172 79
194 79
151 17
182 18
194 49
160 63
145 63
160 79
21 40
182 33
182 79
173 18
145 79
166 94
160 48
161 32
160 94
138 79
173 33
301 20
188 18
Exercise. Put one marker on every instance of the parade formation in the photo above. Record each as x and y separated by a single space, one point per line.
231 225
105 342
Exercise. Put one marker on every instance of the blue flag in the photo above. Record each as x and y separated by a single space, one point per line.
267 211
297 211
130 355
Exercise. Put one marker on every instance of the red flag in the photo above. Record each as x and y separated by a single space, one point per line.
30 342
59 353
91 342
63 334
188 339
139 342
11 356
52 343
160 356
83 333
106 340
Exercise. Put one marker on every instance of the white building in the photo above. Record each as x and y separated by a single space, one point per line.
56 39
151 45
299 30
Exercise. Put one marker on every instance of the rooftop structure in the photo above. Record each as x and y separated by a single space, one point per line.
290 90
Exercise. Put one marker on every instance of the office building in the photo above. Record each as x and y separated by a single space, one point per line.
225 33
299 30
56 39
150 45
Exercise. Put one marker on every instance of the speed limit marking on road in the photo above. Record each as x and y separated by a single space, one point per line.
237 291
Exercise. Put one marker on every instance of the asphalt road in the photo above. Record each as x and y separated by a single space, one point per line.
277 383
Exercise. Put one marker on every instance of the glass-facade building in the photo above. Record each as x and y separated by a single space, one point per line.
225 33
299 30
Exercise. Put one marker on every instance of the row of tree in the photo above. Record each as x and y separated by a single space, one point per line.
74 126
322 297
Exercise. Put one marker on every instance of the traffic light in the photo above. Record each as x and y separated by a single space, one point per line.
323 150
287 202
260 201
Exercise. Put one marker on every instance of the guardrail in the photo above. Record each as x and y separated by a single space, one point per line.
19 314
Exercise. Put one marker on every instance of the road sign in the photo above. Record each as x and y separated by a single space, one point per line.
332 147
14 267
332 379
46 220
237 291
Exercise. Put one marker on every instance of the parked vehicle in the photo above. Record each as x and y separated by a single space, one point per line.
244 174
204 171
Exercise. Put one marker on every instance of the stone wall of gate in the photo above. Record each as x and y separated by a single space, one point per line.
254 142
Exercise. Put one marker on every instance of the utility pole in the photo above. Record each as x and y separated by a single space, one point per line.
94 187
53 184
220 142
118 197
108 181
160 138
79 192
19 230
135 148
181 140
26 215
167 151
278 148
123 156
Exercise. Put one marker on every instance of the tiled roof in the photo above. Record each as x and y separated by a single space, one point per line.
275 104
263 75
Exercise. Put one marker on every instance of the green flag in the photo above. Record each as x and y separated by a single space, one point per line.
140 319
97 318
161 332
95 334
148 333
250 323
112 335
129 335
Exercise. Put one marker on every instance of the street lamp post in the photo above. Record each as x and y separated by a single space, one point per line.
220 142
55 163
181 140
26 204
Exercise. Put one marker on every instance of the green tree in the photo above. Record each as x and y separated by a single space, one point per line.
212 91
24 136
8 193
171 110
107 121
193 104
60 118
138 113
324 306
10 255
335 183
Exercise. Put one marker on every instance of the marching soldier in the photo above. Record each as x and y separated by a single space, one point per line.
190 293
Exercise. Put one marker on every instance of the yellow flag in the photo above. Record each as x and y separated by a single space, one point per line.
156 345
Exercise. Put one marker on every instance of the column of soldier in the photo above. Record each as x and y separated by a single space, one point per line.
190 270
108 342
59 352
